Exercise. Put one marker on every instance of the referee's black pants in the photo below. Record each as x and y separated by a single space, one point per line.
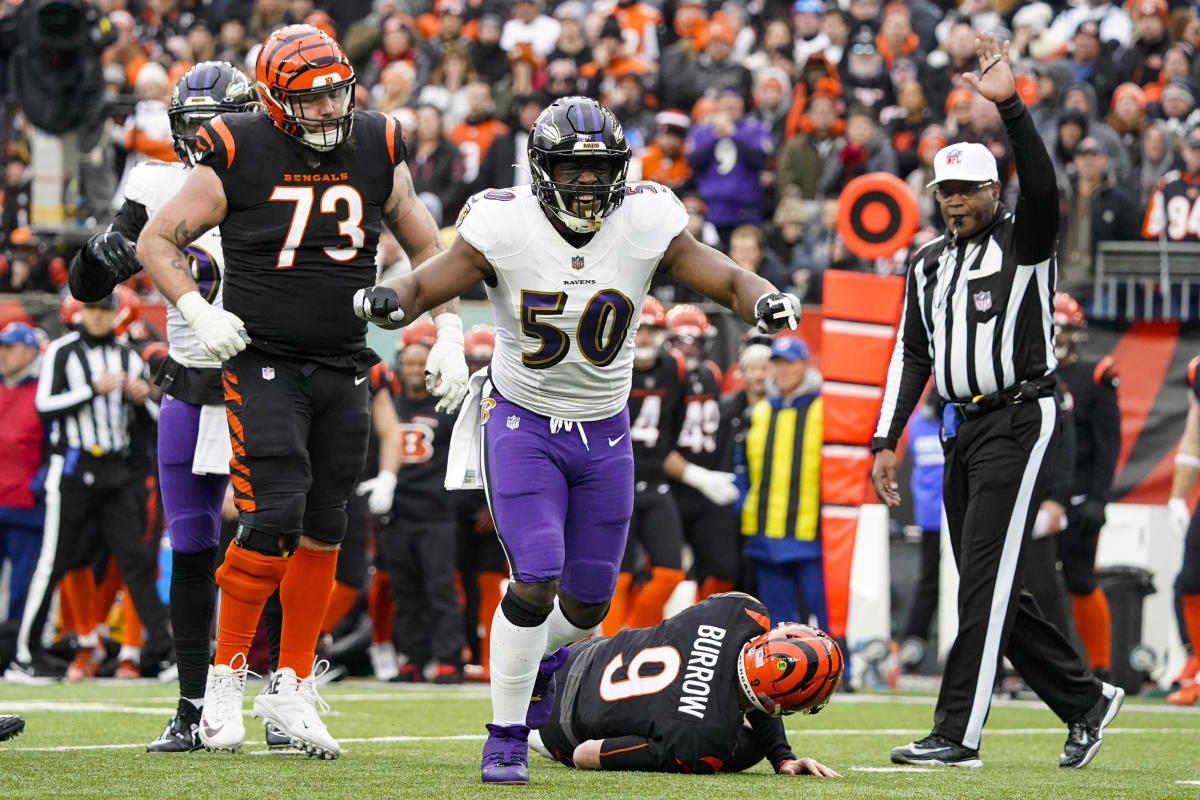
997 473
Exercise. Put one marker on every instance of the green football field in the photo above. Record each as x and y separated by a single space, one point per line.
87 741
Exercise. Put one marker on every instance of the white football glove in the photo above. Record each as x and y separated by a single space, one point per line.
378 305
222 334
776 311
716 486
446 372
382 491
1180 516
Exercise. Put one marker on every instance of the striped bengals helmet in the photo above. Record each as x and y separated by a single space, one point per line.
653 313
298 64
422 331
480 342
790 668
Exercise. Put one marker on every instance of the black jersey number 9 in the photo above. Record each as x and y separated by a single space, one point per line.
600 334
349 225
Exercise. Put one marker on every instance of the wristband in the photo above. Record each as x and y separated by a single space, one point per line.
449 327
1187 460
191 305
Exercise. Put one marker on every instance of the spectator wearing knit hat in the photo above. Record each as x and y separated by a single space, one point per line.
1127 118
664 160
1141 61
803 159
772 100
864 75
714 68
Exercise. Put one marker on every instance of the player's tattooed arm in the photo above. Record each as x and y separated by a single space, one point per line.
409 221
198 206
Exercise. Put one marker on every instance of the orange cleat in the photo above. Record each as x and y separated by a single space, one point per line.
1187 695
1188 673
127 670
84 665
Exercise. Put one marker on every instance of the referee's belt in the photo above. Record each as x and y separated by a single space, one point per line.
1021 393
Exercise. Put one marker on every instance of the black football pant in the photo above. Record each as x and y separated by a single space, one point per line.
655 531
420 559
712 531
997 473
93 502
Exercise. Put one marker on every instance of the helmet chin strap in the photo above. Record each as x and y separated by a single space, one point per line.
577 224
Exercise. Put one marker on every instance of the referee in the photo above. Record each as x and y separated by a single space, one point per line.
90 387
977 315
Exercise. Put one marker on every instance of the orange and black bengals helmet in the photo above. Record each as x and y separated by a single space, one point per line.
299 63
790 668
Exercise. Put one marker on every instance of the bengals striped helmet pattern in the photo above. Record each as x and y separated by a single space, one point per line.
653 313
790 668
297 66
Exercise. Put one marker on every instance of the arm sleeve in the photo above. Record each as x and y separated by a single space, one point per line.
88 280
907 373
62 387
130 220
769 733
1037 209
1106 432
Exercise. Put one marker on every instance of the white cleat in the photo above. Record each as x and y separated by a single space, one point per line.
221 725
290 705
383 661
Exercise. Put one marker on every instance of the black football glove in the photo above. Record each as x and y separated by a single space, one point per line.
776 311
379 305
115 254
1090 513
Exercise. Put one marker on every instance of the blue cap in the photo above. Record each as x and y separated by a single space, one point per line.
789 348
809 7
19 333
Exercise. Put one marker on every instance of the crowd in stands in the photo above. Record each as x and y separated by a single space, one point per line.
757 113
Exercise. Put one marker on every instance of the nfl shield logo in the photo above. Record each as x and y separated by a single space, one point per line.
576 262
514 422
953 157
268 373
983 301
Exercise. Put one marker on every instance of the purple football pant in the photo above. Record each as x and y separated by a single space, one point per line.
192 503
561 506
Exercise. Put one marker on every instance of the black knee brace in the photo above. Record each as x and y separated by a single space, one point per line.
268 544
522 613
326 525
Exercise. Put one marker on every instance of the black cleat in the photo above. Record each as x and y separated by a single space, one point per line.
1086 734
182 734
277 739
10 727
936 751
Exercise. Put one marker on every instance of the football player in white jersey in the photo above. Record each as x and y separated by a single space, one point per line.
567 262
193 437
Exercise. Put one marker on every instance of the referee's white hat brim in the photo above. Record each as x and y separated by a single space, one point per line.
964 161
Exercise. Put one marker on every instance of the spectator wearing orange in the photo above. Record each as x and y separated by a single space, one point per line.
27 265
933 138
897 42
1141 62
906 124
772 101
450 31
713 69
1176 189
474 135
610 61
664 160
628 102
958 111
803 159
640 22
147 129
506 162
1127 118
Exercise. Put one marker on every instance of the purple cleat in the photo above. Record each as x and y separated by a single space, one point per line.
506 754
541 703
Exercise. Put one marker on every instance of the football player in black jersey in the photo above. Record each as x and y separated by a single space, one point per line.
1090 387
300 193
1187 582
699 693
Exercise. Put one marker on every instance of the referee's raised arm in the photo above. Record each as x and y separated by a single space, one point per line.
1037 208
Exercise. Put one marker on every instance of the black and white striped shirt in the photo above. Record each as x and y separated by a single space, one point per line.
978 311
82 420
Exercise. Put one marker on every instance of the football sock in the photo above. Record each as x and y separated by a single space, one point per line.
513 666
272 628
246 579
615 619
193 600
304 595
713 586
380 607
560 630
1191 617
130 653
1094 622
131 624
340 601
489 600
648 610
